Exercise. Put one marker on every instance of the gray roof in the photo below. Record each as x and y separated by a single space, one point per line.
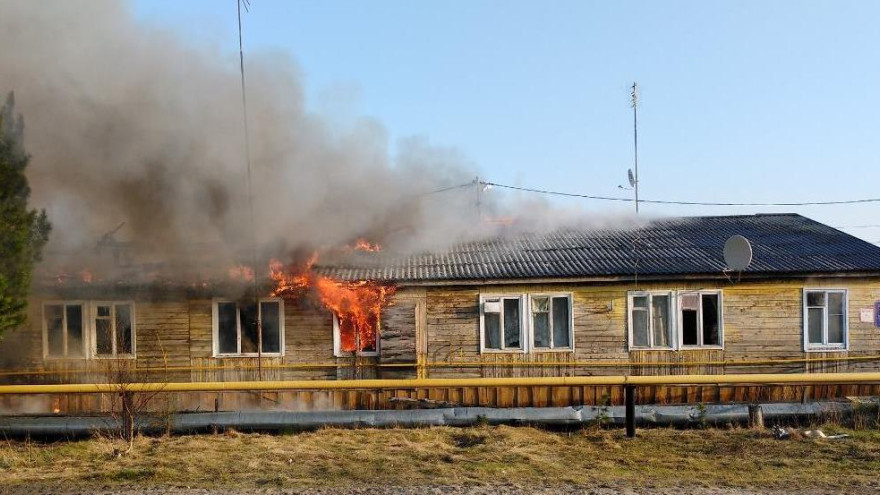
782 244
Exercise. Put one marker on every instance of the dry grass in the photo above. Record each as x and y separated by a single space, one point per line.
482 455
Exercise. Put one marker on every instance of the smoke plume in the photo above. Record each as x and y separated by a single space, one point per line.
128 123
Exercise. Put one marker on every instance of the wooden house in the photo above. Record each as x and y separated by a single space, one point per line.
653 299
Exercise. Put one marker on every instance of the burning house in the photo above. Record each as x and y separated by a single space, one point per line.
657 299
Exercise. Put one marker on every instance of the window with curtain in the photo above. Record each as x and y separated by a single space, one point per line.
502 323
649 320
551 321
825 322
64 335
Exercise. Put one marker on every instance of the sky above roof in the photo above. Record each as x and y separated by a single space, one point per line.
740 101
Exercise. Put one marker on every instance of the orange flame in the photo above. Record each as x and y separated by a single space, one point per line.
365 245
357 305
84 275
242 272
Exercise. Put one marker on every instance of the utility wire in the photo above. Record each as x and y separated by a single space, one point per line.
670 202
250 191
450 188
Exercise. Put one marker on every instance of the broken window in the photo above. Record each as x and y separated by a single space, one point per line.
502 323
649 320
700 319
551 321
825 323
238 325
113 330
353 337
64 330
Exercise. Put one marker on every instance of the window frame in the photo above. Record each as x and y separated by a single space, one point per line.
825 346
215 324
680 323
85 331
673 319
93 330
531 321
337 341
524 342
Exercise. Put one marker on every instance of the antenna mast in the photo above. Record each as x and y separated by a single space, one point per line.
635 105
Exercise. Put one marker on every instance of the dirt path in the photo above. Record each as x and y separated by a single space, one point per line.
412 490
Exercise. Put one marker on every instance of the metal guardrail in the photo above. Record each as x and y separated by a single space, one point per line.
629 384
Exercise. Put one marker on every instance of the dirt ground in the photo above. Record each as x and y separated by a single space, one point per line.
412 490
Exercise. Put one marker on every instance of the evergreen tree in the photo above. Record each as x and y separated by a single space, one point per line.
23 232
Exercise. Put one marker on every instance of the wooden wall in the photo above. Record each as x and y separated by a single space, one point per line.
763 321
328 400
438 329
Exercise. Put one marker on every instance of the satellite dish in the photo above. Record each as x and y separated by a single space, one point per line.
632 178
737 253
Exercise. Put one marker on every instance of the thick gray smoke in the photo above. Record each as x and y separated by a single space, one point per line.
130 124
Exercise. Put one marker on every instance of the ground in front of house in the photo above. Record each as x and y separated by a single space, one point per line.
478 460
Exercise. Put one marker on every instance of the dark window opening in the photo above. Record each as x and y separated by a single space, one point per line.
227 328
492 323
271 313
239 327
711 335
689 327
249 333
511 323
55 330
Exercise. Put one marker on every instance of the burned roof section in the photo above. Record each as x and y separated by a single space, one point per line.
782 244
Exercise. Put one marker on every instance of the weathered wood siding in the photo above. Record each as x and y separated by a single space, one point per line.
762 325
435 332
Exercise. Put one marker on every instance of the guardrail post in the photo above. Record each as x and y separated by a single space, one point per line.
629 392
756 416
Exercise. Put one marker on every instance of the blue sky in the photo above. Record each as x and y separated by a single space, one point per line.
740 101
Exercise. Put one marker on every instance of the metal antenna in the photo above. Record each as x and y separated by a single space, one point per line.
635 105
247 153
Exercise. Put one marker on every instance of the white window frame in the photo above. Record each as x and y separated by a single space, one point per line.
215 323
680 324
825 347
531 321
672 320
524 314
93 330
85 329
337 342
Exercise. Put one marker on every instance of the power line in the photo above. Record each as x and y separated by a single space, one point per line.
250 191
671 202
450 188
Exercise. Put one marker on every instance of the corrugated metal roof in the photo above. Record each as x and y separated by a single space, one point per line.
781 243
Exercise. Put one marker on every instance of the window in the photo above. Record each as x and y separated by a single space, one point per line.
699 315
348 341
825 325
235 327
113 329
649 320
501 323
551 321
63 335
